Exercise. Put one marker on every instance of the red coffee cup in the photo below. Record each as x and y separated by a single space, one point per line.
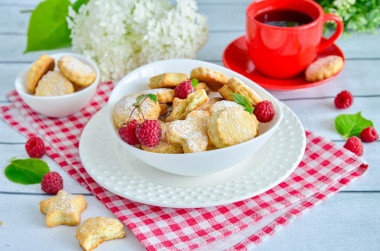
285 52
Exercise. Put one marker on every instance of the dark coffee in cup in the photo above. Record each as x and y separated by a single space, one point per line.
284 18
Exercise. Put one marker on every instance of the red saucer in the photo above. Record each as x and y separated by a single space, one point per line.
236 58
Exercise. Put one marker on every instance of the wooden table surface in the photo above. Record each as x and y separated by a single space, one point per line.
350 220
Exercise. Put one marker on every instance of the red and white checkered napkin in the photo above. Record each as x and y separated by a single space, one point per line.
324 170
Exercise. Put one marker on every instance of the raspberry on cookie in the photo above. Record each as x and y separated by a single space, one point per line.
164 146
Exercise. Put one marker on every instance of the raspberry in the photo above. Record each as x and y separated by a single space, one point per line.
344 100
355 145
184 89
369 134
264 111
149 133
51 183
35 147
128 133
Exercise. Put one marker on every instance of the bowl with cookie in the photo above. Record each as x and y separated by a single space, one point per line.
190 117
58 85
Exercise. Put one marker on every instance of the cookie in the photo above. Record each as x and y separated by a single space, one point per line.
236 86
231 126
182 107
163 109
38 69
164 95
213 79
222 105
123 108
164 146
190 133
167 80
323 68
207 106
76 71
63 209
95 231
53 83
204 86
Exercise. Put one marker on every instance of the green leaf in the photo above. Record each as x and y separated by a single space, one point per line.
241 100
250 110
78 4
48 26
140 99
194 82
26 171
349 125
152 97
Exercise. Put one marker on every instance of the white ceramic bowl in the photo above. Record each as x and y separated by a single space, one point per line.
58 106
190 164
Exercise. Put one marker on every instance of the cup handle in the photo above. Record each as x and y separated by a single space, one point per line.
339 29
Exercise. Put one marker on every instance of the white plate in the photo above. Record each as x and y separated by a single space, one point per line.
125 175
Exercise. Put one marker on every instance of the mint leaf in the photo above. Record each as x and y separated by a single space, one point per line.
194 82
48 26
140 99
349 125
78 4
241 100
152 97
250 110
26 171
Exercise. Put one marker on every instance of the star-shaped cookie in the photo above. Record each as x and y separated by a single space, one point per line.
63 209
190 133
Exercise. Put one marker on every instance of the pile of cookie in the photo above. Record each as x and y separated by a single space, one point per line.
190 115
73 75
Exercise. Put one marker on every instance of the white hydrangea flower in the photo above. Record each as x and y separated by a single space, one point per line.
122 35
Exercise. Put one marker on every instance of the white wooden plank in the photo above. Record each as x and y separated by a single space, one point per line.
346 221
13 47
9 151
22 219
8 73
20 20
8 134
319 115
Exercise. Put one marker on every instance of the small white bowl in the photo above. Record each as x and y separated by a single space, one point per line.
58 106
190 164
